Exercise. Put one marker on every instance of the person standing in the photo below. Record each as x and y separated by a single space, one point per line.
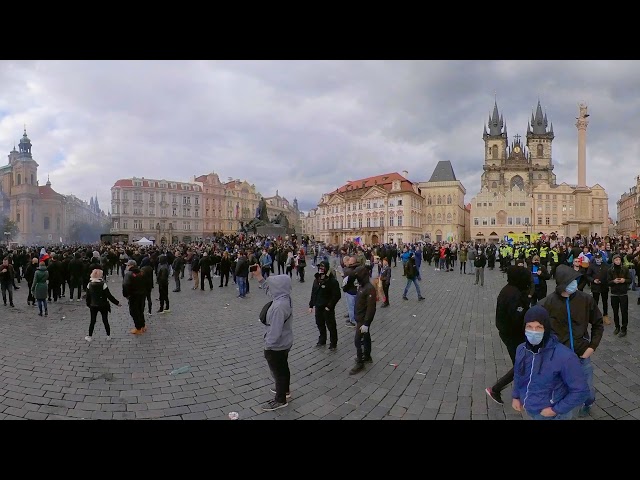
7 275
325 294
242 274
350 288
511 306
619 279
572 312
385 278
40 288
462 257
28 275
147 275
98 298
177 267
134 289
539 277
548 381
195 270
365 311
205 271
479 263
597 276
301 263
278 337
162 278
225 268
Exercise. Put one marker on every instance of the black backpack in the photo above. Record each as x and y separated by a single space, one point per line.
265 309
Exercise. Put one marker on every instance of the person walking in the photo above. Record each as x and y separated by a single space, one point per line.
619 280
411 272
278 337
548 381
98 298
511 306
7 276
597 276
385 278
40 288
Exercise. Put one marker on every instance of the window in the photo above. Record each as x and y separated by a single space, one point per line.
399 220
518 221
493 220
197 200
151 197
440 200
494 152
450 218
348 223
151 225
400 202
429 219
46 223
429 200
476 221
164 212
449 200
391 220
368 222
124 225
547 221
360 222
540 220
510 221
526 220
175 212
540 150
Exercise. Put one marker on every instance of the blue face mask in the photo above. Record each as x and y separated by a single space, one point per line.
572 287
534 338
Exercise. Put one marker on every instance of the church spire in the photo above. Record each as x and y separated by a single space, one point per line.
496 122
48 181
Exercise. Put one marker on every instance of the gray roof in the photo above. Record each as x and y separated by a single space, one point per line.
443 172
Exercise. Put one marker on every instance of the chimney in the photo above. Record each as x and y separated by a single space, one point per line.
405 174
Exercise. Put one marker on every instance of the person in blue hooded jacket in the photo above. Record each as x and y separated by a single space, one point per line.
548 380
278 337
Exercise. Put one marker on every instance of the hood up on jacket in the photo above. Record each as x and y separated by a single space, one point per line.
564 276
362 274
519 277
278 286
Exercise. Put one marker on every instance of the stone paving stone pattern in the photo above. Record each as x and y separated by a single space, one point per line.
432 359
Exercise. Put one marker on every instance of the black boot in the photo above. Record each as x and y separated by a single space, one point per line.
357 368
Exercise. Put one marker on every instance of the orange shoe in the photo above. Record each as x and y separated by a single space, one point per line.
135 331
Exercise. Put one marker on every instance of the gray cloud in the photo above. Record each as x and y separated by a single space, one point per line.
306 127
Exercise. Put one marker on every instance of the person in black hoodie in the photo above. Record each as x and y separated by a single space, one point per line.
147 270
365 311
55 277
98 298
619 280
133 289
325 294
75 276
571 312
163 283
597 277
511 306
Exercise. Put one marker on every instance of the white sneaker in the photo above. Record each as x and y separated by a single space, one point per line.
108 337
88 338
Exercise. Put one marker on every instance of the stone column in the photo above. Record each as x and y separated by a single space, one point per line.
581 124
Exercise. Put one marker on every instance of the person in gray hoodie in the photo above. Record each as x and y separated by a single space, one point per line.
278 337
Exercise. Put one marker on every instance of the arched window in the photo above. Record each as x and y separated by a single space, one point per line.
517 183
540 150
439 218
449 200
19 179
494 184
449 219
46 223
494 152
429 219
439 200
429 200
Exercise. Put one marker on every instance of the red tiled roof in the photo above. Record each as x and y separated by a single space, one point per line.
383 181
47 192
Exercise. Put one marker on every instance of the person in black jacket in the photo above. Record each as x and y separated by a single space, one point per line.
479 263
205 271
597 278
133 289
385 278
619 280
28 275
147 270
75 276
325 294
163 284
98 298
511 306
225 267
365 311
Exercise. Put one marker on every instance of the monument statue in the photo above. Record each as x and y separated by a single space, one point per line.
262 210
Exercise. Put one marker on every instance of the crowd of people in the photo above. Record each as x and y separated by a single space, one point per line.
362 274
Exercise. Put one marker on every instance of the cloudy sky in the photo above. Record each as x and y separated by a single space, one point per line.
306 127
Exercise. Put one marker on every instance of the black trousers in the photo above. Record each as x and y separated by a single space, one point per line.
7 287
224 276
75 283
136 310
105 320
362 342
620 302
536 296
148 297
278 361
463 266
301 274
605 300
326 320
54 288
512 344
206 275
163 288
385 289
281 268
30 298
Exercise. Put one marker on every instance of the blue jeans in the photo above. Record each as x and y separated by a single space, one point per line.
418 270
415 282
351 307
242 285
587 369
560 416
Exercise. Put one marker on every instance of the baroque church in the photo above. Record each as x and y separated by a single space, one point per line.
520 198
38 210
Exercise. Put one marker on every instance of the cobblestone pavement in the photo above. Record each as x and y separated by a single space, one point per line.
432 359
